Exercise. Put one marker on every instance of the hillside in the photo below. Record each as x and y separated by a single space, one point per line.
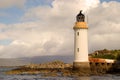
106 54
34 60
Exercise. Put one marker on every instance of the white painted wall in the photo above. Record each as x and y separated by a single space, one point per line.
81 42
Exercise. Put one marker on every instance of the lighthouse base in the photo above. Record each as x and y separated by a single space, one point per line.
81 67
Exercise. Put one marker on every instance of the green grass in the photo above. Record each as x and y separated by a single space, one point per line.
107 54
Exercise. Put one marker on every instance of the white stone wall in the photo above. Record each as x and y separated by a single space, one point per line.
81 45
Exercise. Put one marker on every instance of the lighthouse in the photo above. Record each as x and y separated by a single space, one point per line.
80 43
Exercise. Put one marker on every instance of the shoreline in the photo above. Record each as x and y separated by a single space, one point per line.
58 68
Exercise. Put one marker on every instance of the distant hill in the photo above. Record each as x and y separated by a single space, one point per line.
37 60
12 62
106 54
42 59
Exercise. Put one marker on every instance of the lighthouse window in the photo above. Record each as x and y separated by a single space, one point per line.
78 49
78 33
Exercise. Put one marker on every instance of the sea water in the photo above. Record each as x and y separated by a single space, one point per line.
3 76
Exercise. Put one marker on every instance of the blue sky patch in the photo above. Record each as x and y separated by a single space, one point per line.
14 14
109 0
5 41
34 3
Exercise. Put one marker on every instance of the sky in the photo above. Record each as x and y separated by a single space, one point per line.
45 27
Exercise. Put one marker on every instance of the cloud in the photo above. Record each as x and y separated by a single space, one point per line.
60 9
104 26
12 3
47 30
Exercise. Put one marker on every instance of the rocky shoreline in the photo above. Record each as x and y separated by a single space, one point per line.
58 68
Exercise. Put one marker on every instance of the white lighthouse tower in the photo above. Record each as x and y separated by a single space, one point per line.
80 43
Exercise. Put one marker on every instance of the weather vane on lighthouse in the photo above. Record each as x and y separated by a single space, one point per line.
80 43
80 17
